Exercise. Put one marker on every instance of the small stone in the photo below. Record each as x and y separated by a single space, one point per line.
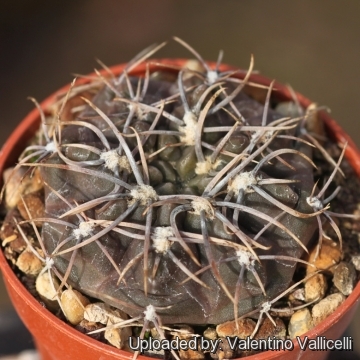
88 326
101 313
187 333
298 294
191 354
29 263
117 337
245 328
300 322
158 352
267 329
85 327
193 65
329 255
46 287
210 333
356 261
35 205
9 234
345 277
154 333
224 351
326 307
73 304
9 239
19 184
315 288
153 353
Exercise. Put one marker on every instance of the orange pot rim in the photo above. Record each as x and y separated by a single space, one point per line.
31 122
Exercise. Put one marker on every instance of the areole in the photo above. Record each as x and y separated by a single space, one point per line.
57 340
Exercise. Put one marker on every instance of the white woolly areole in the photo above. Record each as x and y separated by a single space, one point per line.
189 130
266 306
124 163
150 313
242 181
205 166
315 203
49 262
245 258
84 229
212 76
50 147
143 193
161 240
202 204
112 159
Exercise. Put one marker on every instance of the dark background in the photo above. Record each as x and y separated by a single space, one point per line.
312 45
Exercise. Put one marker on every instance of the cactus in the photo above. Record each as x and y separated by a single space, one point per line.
178 198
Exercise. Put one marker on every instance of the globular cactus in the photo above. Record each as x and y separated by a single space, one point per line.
178 193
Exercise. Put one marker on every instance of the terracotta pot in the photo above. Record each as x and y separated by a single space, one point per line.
57 340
